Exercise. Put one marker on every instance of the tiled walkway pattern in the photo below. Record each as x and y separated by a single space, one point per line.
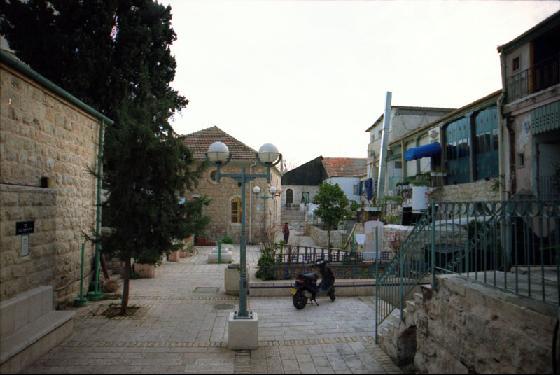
182 329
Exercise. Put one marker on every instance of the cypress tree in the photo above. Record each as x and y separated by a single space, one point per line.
125 74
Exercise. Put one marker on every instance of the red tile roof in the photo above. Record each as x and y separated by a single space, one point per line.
345 167
199 141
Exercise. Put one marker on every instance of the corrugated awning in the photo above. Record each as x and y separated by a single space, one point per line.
545 118
432 149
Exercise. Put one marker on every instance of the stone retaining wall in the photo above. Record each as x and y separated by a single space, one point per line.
320 236
472 191
465 327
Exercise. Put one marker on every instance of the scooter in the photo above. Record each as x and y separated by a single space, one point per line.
306 289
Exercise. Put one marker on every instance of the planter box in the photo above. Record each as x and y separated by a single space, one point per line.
231 280
145 271
173 256
183 254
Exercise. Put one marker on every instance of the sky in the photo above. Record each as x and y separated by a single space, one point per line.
311 76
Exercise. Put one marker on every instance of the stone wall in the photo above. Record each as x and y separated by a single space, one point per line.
320 236
465 327
42 135
263 215
472 191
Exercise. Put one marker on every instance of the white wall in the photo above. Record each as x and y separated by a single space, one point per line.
347 186
298 190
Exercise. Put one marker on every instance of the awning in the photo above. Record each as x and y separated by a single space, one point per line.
432 149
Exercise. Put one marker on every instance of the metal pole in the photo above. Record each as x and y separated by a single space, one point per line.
219 252
433 245
383 151
376 286
81 300
242 313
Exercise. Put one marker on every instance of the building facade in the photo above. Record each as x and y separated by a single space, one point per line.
49 142
404 120
262 215
530 112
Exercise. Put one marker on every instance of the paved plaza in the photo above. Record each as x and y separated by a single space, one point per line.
180 327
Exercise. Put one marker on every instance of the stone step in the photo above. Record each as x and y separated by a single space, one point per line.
34 340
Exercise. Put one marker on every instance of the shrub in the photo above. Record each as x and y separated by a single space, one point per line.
266 265
227 240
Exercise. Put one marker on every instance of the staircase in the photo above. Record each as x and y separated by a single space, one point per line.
294 217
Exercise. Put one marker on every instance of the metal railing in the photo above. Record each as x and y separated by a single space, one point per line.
512 246
548 187
403 273
536 78
291 254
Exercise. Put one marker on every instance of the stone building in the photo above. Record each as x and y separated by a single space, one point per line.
531 111
263 214
49 142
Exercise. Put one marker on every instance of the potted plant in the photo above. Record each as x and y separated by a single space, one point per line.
145 266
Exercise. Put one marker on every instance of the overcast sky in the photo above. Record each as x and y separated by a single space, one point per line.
311 76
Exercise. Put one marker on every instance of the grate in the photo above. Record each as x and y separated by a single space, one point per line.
205 290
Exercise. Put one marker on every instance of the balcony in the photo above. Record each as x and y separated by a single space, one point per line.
537 78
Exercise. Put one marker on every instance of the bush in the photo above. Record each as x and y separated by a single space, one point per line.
227 240
266 265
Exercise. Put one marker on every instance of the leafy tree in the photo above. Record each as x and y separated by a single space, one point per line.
126 74
332 206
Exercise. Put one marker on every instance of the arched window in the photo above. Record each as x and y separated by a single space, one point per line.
236 210
289 197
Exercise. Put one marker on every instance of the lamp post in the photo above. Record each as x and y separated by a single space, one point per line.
268 156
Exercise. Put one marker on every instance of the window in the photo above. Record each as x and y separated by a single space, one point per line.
515 64
236 210
486 143
305 197
457 135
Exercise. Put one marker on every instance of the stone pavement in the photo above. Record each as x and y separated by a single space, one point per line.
180 327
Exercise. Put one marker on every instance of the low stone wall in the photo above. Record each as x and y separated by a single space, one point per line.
320 236
341 271
472 191
343 288
465 327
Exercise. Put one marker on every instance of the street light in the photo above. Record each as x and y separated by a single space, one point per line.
268 156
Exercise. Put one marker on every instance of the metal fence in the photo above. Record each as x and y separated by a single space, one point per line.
289 254
513 246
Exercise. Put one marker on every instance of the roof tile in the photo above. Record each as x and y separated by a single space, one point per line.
199 141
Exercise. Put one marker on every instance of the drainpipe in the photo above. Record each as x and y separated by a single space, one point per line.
97 294
502 123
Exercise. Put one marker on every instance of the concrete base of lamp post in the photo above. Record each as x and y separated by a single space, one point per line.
243 334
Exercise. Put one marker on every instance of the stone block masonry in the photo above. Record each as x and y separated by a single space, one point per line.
43 135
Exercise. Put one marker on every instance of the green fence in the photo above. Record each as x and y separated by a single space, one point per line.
512 246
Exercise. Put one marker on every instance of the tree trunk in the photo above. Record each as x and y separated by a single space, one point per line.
329 238
104 267
126 286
